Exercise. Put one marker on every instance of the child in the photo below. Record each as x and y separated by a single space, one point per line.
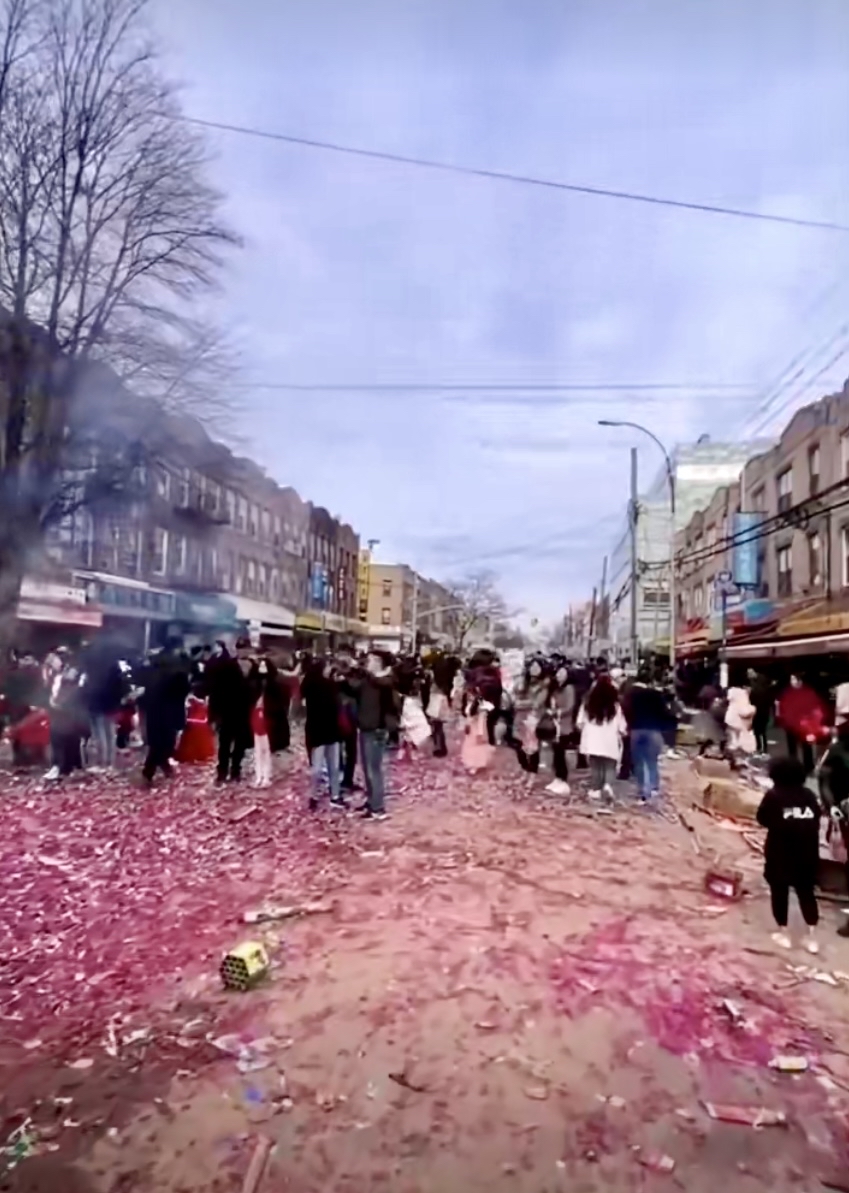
791 816
476 752
197 741
262 746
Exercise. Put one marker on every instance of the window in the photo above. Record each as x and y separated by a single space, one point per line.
815 560
278 530
230 506
212 563
814 470
183 488
844 536
387 588
262 574
266 525
253 518
784 484
199 490
160 551
227 567
180 554
785 572
844 455
163 482
274 585
759 500
242 514
250 586
213 497
385 615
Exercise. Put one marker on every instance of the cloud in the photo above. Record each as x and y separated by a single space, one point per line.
359 271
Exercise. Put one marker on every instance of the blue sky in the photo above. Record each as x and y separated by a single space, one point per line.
359 272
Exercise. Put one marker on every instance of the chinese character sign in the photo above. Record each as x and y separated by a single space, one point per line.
745 555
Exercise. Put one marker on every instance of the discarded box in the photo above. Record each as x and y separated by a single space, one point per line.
244 966
746 1116
723 882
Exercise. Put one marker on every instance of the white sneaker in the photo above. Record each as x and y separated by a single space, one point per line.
782 940
559 787
607 791
812 945
594 794
52 775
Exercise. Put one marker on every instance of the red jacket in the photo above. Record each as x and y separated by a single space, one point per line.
804 713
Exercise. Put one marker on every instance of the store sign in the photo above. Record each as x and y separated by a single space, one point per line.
42 590
363 584
309 621
318 585
60 613
205 610
746 536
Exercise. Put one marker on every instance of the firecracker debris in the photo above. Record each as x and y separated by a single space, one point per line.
497 988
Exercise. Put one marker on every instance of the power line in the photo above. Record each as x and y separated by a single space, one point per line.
842 351
497 387
773 404
507 176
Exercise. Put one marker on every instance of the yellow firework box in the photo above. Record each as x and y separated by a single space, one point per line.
244 966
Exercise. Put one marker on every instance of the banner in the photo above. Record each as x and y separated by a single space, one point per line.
745 554
363 584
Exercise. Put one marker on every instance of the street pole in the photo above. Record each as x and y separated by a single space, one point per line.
635 641
603 627
415 608
670 472
591 634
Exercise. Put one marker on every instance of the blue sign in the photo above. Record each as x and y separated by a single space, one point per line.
318 584
745 555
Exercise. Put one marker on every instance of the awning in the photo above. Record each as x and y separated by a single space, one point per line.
789 648
311 622
825 617
60 613
273 619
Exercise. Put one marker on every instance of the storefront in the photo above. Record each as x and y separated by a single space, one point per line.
51 615
134 613
203 618
309 631
816 631
266 624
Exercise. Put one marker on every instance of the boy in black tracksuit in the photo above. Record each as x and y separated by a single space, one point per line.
791 815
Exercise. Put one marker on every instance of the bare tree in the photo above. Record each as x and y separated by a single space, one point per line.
110 239
479 603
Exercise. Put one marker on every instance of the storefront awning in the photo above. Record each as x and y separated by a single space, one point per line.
272 619
60 613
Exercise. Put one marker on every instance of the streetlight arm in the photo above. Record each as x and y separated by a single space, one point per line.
670 471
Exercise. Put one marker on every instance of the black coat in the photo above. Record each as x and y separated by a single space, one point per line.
231 692
321 697
791 817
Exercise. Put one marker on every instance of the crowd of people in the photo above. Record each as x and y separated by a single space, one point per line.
78 710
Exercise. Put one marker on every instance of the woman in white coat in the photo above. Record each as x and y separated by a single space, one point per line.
739 716
603 727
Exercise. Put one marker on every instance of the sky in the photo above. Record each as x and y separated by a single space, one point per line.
358 272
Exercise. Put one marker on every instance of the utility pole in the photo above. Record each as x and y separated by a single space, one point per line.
635 639
591 632
603 630
415 609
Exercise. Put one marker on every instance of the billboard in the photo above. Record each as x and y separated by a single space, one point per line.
746 535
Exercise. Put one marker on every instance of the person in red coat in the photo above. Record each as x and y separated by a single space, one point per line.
197 740
804 717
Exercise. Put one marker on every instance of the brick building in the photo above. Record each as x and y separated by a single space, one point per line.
795 498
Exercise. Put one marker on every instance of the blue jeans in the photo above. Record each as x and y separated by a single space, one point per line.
103 734
646 745
372 748
321 756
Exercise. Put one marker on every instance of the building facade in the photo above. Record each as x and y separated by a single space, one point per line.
782 537
207 546
397 597
698 470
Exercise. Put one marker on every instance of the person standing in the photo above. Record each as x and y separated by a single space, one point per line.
230 703
164 702
321 700
347 722
197 741
648 717
67 721
602 727
562 702
791 816
443 671
739 716
803 716
262 745
834 793
104 689
375 713
763 698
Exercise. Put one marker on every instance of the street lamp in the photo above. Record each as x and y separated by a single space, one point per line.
670 476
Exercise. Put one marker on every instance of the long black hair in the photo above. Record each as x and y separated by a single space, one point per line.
602 700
